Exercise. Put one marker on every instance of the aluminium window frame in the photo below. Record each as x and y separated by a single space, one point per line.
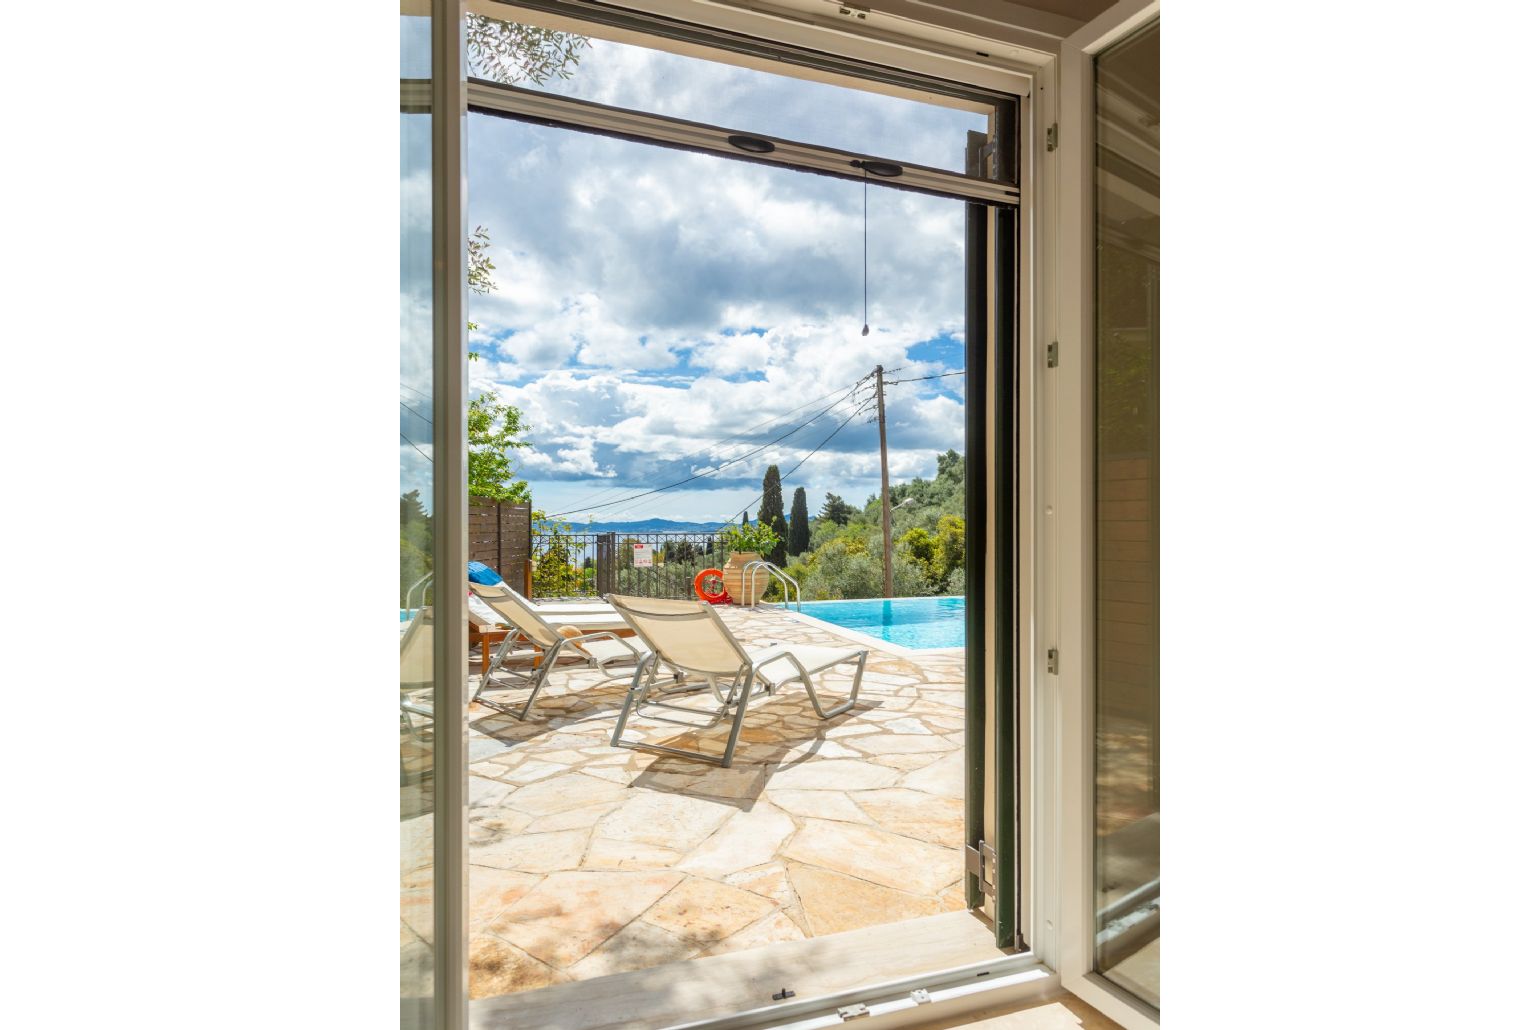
955 59
994 343
1008 239
1066 532
541 108
451 667
867 67
1028 76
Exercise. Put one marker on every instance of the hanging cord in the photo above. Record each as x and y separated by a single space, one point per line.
866 326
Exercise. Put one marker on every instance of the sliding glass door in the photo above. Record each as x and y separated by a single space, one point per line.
1101 919
431 459
415 448
1126 80
527 773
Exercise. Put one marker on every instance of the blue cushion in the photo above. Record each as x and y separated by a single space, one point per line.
482 574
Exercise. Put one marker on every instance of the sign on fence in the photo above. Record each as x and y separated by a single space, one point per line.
637 565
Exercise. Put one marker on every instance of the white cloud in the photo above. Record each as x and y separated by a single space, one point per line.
653 304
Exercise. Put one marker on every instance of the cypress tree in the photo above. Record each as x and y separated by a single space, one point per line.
800 535
772 513
745 518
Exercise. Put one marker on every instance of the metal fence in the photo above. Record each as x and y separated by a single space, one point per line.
638 564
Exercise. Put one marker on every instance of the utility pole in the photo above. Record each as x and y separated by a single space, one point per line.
887 511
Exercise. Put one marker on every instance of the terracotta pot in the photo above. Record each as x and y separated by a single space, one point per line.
744 590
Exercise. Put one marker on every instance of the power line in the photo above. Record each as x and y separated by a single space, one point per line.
808 455
795 467
799 428
604 497
783 415
708 472
702 475
921 379
415 448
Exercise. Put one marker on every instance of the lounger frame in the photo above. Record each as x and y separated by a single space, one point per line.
747 684
537 677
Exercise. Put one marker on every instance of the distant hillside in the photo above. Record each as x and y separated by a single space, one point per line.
645 526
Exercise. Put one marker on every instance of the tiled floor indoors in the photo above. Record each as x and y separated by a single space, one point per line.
588 860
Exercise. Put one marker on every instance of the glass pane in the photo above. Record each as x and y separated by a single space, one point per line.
1127 524
638 288
699 90
416 39
416 449
655 315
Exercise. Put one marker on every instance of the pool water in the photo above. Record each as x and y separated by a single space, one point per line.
907 621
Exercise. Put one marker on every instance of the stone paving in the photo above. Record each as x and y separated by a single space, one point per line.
588 860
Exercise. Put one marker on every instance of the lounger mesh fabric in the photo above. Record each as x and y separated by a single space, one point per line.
598 648
812 656
550 610
692 637
681 641
481 614
517 616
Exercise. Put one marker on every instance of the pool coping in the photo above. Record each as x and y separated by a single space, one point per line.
898 650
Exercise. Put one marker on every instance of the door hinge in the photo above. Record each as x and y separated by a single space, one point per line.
1053 137
980 861
1053 661
1053 354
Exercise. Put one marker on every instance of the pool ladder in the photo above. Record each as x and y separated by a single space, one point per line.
777 573
425 583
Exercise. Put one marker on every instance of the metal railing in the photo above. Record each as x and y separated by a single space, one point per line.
595 564
777 573
426 582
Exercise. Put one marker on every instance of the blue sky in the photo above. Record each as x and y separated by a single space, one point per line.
654 304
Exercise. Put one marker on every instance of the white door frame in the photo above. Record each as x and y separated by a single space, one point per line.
1057 462
1063 892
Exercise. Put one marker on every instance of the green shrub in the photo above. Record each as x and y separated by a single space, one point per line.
758 538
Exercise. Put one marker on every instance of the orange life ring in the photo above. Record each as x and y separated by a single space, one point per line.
700 590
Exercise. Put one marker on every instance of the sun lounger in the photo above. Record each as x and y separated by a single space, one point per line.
597 642
691 637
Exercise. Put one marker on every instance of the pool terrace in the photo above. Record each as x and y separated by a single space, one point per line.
588 860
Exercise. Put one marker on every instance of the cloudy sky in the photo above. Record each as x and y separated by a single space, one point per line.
659 313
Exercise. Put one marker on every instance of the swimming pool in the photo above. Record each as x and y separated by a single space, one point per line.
907 621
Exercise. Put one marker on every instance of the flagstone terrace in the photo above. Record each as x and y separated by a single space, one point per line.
588 860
